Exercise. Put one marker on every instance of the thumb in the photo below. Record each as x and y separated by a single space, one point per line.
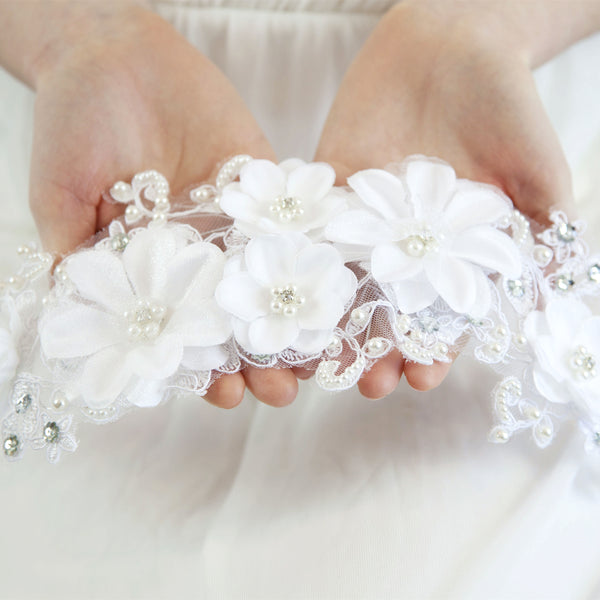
64 220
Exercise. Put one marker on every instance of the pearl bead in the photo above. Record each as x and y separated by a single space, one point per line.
358 315
415 246
502 435
542 255
403 323
59 401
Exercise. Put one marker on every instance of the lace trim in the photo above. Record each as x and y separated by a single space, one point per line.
275 266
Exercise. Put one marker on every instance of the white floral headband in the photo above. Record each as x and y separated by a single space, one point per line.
276 266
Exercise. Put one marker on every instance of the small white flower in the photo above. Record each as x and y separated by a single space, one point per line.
292 196
566 342
286 293
434 237
139 314
10 332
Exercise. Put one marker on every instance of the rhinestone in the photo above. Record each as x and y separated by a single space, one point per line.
566 232
564 283
596 438
594 273
23 403
51 432
119 242
11 445
428 325
516 287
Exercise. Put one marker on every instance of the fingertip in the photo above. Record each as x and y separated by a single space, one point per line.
275 387
383 377
426 377
227 391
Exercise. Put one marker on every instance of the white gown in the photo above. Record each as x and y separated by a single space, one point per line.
334 496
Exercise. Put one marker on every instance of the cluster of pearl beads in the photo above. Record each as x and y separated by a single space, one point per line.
583 364
419 245
286 300
287 208
145 320
230 170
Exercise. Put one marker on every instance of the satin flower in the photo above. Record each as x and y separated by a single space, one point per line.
430 234
291 196
137 316
566 341
286 292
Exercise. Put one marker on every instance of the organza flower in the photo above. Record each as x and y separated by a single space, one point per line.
566 341
137 316
286 292
292 196
10 332
432 236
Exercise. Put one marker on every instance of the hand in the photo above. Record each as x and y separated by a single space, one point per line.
461 90
143 99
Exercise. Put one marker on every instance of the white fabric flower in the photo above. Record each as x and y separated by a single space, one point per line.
434 237
292 196
286 292
566 341
140 314
10 332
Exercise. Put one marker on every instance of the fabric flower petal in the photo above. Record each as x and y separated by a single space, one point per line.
239 205
389 264
99 276
430 184
413 295
360 227
240 295
200 324
105 375
321 312
311 182
454 280
79 330
272 334
156 361
311 342
262 180
381 191
489 248
146 259
204 359
271 259
475 204
565 317
9 359
483 294
195 271
317 266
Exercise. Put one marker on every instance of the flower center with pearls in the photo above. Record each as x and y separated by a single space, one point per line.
287 208
146 320
286 300
419 245
583 364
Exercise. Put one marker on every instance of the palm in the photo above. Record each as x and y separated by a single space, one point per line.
412 90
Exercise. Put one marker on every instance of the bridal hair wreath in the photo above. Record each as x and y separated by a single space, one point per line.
276 266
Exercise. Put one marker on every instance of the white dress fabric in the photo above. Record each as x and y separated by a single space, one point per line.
334 496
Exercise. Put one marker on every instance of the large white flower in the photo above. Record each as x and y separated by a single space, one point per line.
433 236
566 341
286 292
139 315
292 196
10 332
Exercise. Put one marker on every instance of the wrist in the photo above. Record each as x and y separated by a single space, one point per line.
40 37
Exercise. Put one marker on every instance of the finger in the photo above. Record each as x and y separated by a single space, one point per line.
63 221
275 387
383 377
425 377
302 373
227 391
